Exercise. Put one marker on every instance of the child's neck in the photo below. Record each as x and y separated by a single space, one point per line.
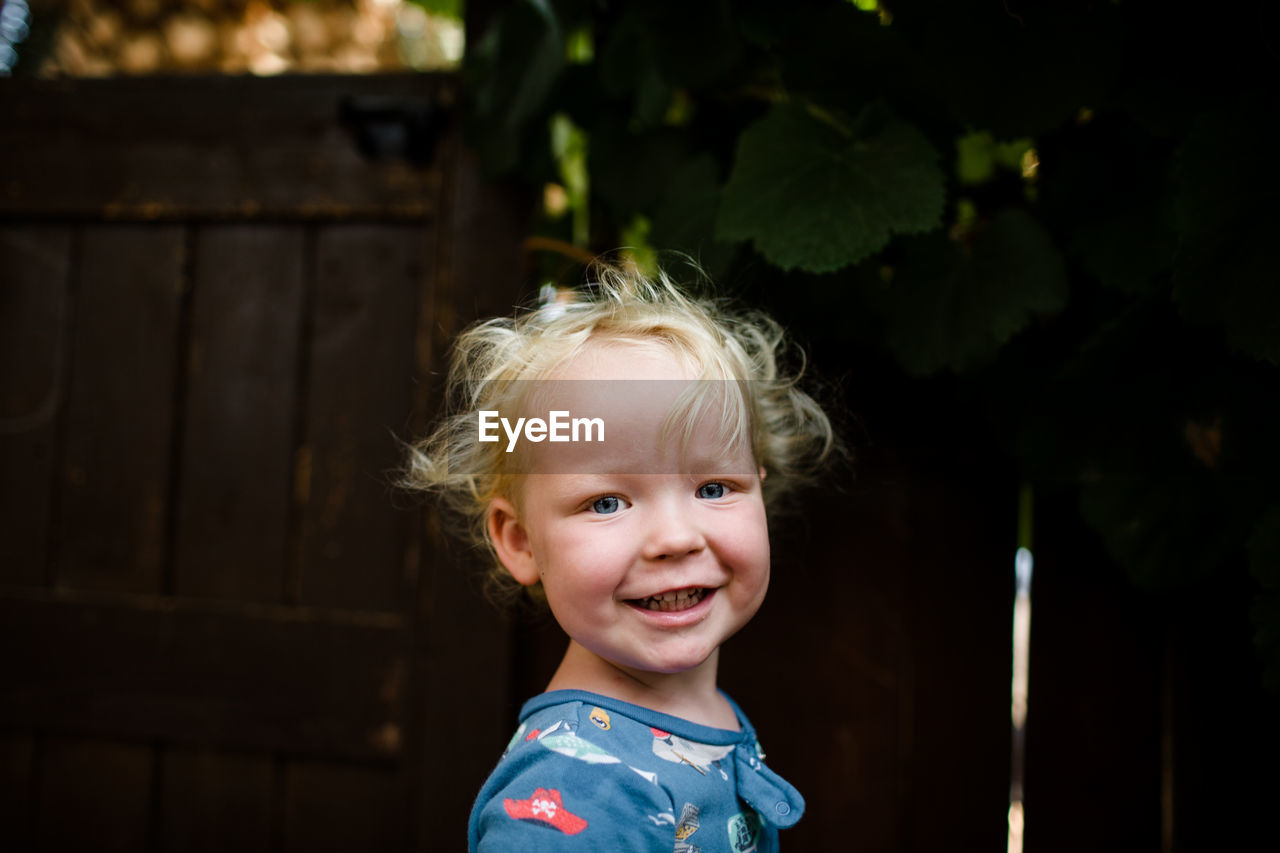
691 695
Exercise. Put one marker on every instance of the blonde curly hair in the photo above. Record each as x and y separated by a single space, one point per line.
493 360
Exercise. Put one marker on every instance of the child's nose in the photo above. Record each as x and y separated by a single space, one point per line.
672 534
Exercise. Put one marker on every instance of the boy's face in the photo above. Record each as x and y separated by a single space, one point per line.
644 564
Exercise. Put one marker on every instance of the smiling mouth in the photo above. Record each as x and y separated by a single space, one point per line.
670 602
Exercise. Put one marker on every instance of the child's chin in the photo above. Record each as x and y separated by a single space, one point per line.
673 664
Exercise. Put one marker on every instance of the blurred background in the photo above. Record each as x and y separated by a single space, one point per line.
1026 252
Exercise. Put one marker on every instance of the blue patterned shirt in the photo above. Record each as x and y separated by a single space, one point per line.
586 772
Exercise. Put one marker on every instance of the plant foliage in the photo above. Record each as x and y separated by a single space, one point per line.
1065 210
811 193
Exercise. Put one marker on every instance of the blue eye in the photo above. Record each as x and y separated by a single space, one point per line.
606 505
712 491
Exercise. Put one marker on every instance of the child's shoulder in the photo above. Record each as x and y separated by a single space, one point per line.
575 767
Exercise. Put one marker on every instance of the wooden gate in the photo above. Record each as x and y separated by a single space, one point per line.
222 305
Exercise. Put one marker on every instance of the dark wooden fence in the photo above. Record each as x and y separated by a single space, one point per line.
222 304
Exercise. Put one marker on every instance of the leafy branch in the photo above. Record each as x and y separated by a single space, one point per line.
1055 209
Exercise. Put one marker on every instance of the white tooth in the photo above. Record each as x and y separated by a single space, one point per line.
682 595
654 605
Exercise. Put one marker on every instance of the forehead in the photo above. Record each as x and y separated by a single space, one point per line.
625 359
653 415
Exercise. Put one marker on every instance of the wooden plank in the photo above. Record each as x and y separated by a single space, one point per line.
120 409
1093 708
368 281
35 317
17 777
94 795
845 654
204 673
894 601
478 273
215 801
960 528
233 534
237 148
341 808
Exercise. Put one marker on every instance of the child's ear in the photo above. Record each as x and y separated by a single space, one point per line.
511 542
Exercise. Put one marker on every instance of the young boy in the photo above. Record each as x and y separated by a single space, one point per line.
616 454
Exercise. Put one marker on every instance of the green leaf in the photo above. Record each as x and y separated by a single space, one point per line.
1127 249
569 147
978 154
685 219
975 160
813 196
952 305
511 72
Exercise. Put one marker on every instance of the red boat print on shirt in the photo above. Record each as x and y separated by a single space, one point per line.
545 806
